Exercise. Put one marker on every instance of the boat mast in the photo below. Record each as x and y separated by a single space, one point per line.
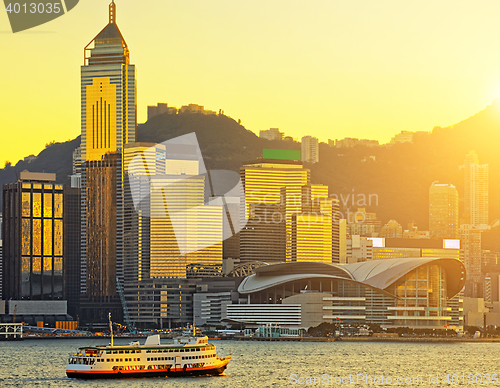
110 328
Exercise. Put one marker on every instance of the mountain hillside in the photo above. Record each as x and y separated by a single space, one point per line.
392 181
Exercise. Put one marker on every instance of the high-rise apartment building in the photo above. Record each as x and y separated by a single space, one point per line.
108 112
443 211
476 190
33 238
310 149
470 239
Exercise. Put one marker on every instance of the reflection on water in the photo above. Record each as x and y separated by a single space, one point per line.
41 363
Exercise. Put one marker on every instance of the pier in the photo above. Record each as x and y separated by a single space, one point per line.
11 331
292 339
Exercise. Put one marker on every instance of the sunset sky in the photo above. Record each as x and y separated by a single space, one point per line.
326 68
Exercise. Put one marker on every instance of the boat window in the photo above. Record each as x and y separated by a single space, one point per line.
127 351
121 351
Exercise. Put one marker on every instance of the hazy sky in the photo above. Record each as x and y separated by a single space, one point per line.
331 69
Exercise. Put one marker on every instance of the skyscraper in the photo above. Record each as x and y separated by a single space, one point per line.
443 211
263 185
310 149
108 112
476 190
33 210
263 179
171 236
72 247
470 243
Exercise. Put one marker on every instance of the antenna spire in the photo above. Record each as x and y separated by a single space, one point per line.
112 12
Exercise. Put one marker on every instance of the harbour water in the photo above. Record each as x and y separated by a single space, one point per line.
41 363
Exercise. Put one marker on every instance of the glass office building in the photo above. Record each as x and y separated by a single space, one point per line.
33 238
108 122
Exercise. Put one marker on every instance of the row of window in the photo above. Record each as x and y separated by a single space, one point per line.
156 358
160 350
122 351
198 357
180 350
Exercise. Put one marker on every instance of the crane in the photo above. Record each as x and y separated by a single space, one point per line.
126 315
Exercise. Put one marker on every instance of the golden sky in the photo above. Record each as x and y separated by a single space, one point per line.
327 68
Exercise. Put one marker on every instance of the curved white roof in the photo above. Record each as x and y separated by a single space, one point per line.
377 274
383 273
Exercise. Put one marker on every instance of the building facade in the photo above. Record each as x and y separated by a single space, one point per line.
443 211
271 134
309 149
108 123
171 236
72 245
476 190
415 293
470 238
33 238
392 230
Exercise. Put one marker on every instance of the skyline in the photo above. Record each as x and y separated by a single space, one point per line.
379 69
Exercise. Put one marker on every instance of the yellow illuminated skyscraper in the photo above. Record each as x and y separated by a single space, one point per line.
313 236
33 238
108 120
263 179
263 183
170 232
443 211
476 190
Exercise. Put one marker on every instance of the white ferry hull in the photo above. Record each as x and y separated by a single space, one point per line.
87 373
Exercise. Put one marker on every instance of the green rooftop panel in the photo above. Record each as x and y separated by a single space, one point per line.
281 154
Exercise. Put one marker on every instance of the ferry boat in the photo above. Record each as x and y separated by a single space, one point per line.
186 356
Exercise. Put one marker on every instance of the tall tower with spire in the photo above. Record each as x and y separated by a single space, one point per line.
108 122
